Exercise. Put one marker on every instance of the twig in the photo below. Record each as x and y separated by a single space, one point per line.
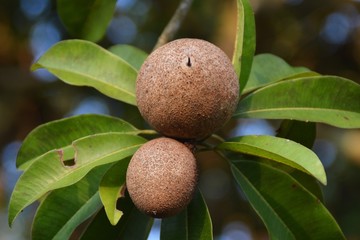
174 24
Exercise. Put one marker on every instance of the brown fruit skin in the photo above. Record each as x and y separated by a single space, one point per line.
187 89
161 177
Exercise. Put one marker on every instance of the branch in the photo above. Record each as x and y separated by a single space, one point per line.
174 24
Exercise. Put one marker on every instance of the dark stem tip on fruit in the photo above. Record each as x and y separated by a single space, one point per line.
189 62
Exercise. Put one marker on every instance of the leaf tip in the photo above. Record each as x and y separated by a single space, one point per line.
12 215
117 216
10 221
324 180
322 174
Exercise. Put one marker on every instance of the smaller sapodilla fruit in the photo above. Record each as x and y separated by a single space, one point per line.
161 177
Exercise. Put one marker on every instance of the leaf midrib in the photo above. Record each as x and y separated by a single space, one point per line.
295 109
295 165
99 159
90 77
135 133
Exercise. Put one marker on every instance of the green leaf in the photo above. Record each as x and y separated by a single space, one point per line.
175 227
245 42
51 170
305 134
307 181
280 150
288 210
83 63
132 55
132 225
64 209
327 99
192 223
297 131
86 19
268 68
61 133
112 187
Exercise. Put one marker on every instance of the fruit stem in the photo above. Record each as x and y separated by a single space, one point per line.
211 146
174 24
222 155
217 137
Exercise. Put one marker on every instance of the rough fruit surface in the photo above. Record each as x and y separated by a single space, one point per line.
187 89
162 177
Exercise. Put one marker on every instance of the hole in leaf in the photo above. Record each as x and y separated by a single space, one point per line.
69 162
67 157
123 203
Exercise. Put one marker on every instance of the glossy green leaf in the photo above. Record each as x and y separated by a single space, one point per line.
132 225
326 99
64 209
245 42
132 55
112 187
268 68
83 63
305 134
86 19
61 133
192 223
288 210
280 150
52 171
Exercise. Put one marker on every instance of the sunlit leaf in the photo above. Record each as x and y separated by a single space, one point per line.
61 133
280 150
268 68
86 19
245 42
83 63
192 223
112 187
134 56
288 210
52 171
64 209
326 99
132 225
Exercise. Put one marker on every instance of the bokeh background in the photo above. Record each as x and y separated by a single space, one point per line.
323 35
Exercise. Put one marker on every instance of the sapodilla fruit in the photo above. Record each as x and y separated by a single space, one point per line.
187 89
161 177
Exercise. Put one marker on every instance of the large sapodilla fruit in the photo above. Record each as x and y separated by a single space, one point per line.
162 177
187 89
